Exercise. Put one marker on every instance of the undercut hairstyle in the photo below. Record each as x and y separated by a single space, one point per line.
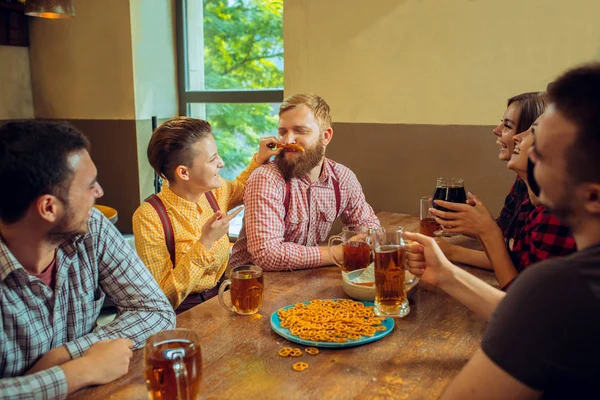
171 144
34 162
576 95
532 105
316 104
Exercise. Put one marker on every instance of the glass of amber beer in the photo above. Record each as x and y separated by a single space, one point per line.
173 365
427 224
246 290
356 248
391 284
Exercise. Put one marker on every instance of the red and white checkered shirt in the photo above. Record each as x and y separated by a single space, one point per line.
280 241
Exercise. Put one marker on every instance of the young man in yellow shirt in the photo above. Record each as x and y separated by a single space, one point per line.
196 201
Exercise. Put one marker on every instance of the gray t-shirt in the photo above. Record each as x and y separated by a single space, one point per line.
546 331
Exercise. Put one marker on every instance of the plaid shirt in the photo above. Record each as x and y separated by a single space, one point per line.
36 319
198 268
512 204
279 241
539 235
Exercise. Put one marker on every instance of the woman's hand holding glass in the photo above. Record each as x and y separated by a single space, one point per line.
470 219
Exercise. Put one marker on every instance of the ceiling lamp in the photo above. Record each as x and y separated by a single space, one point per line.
50 8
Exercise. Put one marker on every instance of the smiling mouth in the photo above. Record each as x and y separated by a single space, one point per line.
517 150
502 144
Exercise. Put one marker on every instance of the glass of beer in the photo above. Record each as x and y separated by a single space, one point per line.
356 248
173 365
427 224
391 284
246 290
452 190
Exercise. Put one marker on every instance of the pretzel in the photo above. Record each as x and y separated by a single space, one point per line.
296 352
292 146
300 366
313 351
331 320
285 351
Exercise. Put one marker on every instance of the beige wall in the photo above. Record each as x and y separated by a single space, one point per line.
430 61
108 70
15 83
416 85
155 79
82 67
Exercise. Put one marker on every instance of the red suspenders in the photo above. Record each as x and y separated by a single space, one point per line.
161 210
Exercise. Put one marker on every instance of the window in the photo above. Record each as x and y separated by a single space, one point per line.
230 57
231 71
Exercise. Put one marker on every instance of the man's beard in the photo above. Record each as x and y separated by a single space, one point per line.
63 230
304 164
561 208
535 188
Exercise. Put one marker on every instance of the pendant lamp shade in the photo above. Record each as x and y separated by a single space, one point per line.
50 8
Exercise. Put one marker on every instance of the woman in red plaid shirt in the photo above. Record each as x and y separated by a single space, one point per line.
534 234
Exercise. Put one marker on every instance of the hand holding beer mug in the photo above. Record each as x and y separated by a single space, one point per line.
246 290
173 365
391 284
356 248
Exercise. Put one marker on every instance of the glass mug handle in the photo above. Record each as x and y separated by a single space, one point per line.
224 285
331 253
409 284
181 377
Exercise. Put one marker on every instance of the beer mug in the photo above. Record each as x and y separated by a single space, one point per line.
391 284
452 190
173 365
246 290
427 224
356 248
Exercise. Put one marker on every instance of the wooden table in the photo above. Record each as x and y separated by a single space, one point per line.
417 360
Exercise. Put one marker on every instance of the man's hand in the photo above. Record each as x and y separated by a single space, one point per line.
266 149
56 356
216 227
471 219
426 260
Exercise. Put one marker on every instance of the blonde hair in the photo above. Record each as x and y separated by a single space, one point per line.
316 104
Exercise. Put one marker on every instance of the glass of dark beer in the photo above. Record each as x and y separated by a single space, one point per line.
452 190
391 284
427 224
356 248
246 290
173 365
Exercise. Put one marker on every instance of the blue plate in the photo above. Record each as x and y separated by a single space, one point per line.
276 325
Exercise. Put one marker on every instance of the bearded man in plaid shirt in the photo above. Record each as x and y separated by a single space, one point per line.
292 203
60 258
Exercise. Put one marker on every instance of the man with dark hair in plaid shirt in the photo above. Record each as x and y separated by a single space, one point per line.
59 260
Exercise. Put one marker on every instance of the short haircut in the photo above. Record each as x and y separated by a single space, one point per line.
576 95
532 105
33 162
316 104
171 144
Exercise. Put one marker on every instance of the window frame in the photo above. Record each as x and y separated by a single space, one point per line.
186 97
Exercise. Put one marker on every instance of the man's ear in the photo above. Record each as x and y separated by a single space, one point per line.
47 207
592 198
182 172
327 135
